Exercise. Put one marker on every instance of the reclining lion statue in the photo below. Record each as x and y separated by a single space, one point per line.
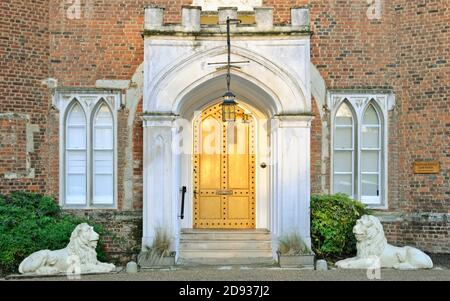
79 256
374 251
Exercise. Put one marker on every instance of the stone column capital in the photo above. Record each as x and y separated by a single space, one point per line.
292 121
158 119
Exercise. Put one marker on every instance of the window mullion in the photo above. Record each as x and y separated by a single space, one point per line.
90 177
357 167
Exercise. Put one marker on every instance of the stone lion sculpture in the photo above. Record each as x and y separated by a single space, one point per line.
373 251
78 257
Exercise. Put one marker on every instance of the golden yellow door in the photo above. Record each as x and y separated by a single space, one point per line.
224 171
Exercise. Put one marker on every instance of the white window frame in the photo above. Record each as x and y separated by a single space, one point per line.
90 102
358 101
66 150
352 149
375 200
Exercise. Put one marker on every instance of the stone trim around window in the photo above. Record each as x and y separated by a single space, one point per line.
359 100
90 101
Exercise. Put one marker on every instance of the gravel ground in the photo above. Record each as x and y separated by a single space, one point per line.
241 273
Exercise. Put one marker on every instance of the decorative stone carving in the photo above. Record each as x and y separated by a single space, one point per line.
373 249
79 256
361 102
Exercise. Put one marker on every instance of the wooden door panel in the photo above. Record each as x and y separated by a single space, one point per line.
210 171
238 156
238 208
224 171
210 165
210 207
238 172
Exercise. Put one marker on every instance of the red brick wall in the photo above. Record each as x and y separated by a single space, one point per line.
138 162
122 130
430 236
316 149
350 50
407 51
13 154
282 9
24 61
423 91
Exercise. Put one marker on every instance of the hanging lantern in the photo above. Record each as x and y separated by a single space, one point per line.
229 107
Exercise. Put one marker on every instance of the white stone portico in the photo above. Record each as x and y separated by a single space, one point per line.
274 87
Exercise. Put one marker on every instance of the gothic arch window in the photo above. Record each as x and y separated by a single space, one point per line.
76 155
103 155
371 150
359 145
344 150
88 150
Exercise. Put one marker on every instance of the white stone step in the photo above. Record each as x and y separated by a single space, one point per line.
245 235
222 247
225 245
233 231
224 253
263 261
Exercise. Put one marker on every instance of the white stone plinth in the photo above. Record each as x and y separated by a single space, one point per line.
132 267
321 265
154 17
190 16
299 17
264 18
227 12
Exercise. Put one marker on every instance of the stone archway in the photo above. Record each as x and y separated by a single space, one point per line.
178 82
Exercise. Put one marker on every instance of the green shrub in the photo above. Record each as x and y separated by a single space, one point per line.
332 220
30 222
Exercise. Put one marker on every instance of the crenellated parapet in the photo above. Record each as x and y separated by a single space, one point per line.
194 20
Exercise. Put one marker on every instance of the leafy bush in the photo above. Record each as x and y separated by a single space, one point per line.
31 222
332 220
292 244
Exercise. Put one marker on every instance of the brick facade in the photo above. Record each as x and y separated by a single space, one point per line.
24 101
405 50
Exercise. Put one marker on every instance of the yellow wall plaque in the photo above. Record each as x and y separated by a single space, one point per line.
422 167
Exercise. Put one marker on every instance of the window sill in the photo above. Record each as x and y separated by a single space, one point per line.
73 207
377 206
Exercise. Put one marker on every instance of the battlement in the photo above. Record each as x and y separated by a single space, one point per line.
194 20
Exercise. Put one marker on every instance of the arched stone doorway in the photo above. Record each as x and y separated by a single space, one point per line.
180 84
